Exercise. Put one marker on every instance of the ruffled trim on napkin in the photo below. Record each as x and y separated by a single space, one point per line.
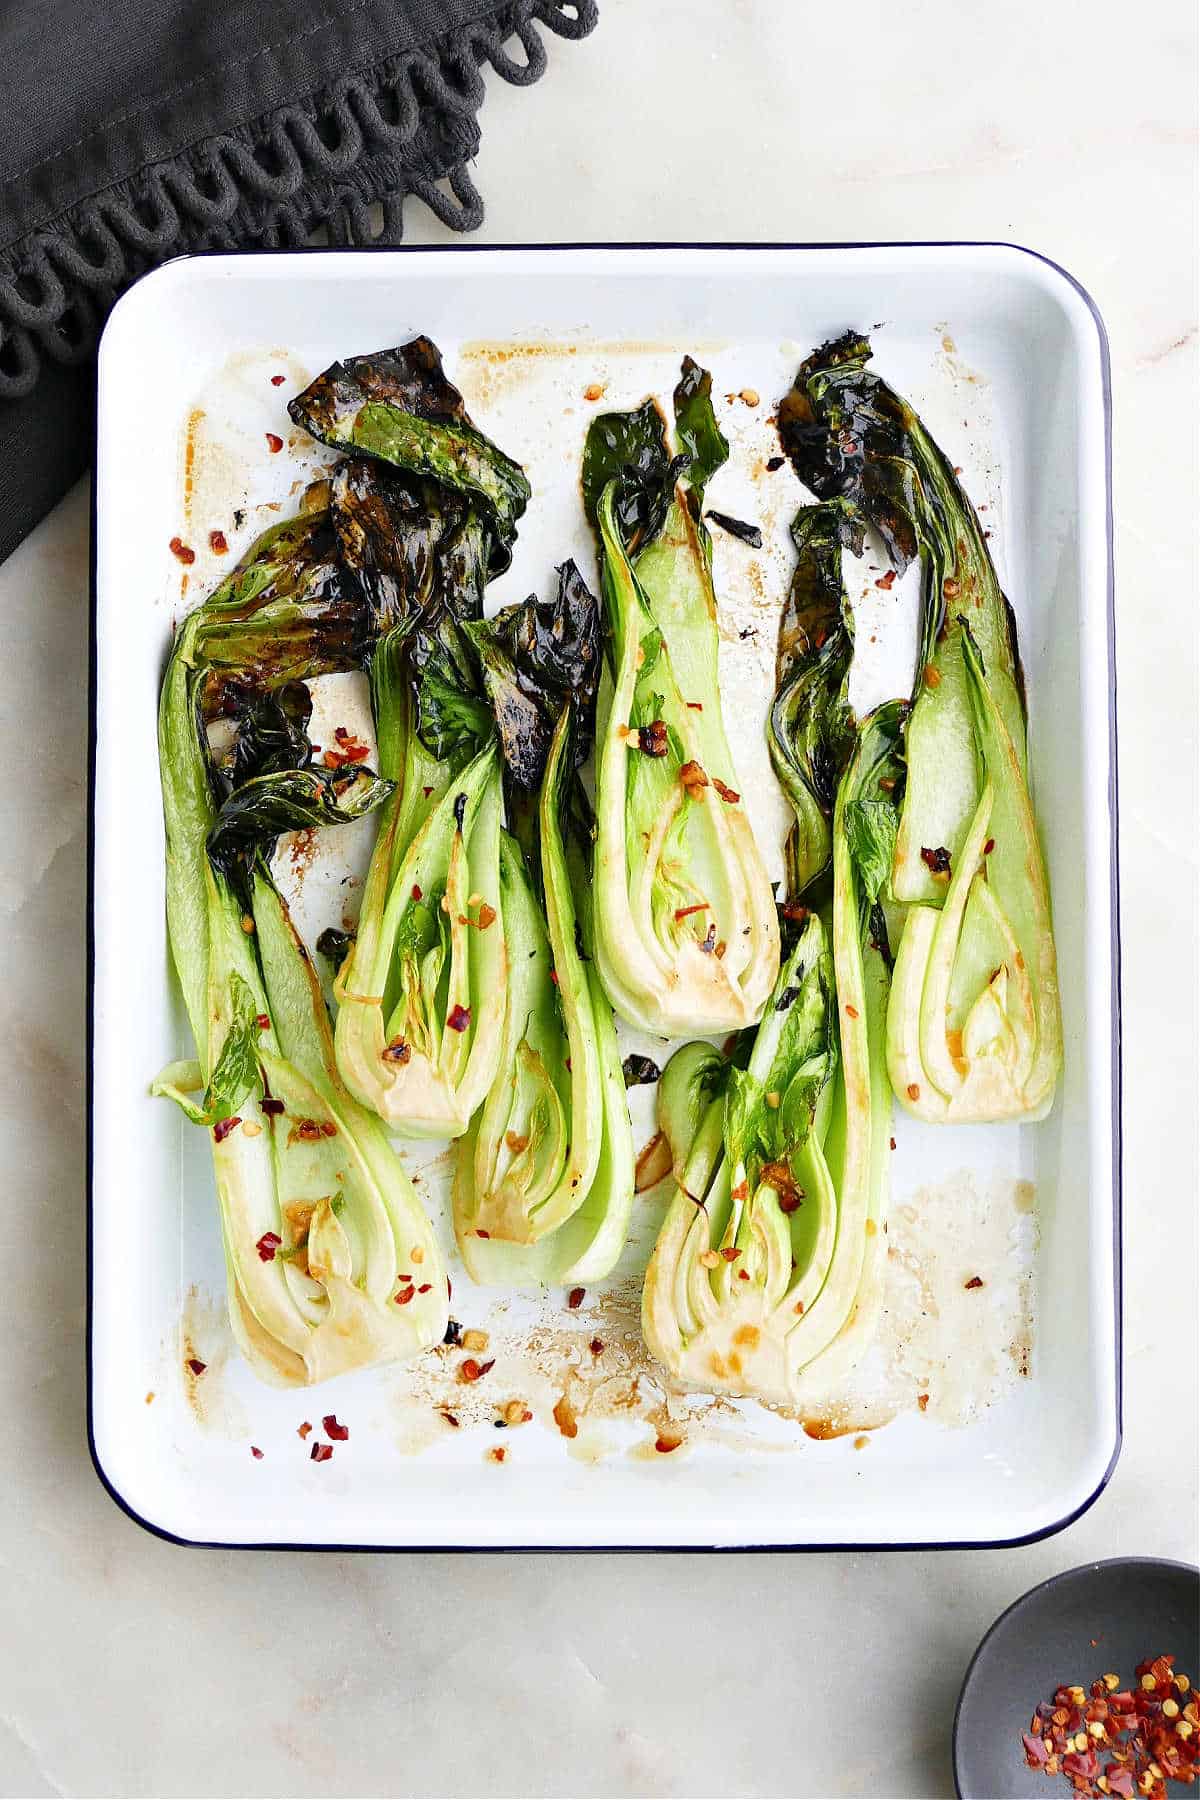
403 126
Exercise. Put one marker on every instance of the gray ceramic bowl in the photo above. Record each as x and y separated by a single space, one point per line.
1134 1606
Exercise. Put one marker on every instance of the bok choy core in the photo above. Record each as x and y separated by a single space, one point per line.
544 1178
686 932
974 1023
422 992
331 1262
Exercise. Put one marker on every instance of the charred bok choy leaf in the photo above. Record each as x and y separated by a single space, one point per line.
422 993
686 932
974 1023
320 1222
544 1178
771 1251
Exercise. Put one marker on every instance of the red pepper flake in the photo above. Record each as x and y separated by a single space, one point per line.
458 1018
267 1245
223 1127
554 976
575 1298
416 891
922 1402
652 739
794 912
425 1287
666 1441
597 1346
695 706
450 1418
196 1366
405 1295
976 1281
278 380
262 1021
272 1107
470 1370
498 1454
397 1052
730 1254
487 916
685 912
891 1143
930 676
218 543
851 1012
320 1453
339 1433
183 551
989 846
693 779
311 1131
729 795
937 862
913 1091
886 581
256 1453
274 443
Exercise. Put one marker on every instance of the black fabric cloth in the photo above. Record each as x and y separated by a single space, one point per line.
137 130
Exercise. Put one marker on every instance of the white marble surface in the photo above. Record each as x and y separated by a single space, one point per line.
128 1667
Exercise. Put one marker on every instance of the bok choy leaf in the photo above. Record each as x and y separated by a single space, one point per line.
420 528
322 1229
771 1251
544 1179
686 932
974 1025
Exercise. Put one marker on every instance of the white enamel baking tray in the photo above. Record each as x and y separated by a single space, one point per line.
1005 356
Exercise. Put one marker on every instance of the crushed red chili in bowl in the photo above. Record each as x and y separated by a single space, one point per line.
1113 1740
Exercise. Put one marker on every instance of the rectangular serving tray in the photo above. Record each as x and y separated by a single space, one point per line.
1005 355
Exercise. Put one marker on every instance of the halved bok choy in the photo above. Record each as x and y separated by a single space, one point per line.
771 1253
332 1264
421 525
687 938
974 1022
544 1178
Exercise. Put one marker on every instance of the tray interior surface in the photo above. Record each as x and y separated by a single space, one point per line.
1002 357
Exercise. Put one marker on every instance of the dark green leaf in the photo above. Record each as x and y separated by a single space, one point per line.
292 800
398 406
336 945
697 433
630 448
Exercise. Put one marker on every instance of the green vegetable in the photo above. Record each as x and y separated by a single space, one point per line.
686 934
544 1179
771 1251
318 1216
421 992
974 1024
398 406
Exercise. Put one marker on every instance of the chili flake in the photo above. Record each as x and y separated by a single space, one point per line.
458 1018
183 551
685 912
274 442
886 581
575 1298
271 1106
470 1370
397 1052
267 1245
652 739
223 1127
256 1453
196 1366
597 1346
302 1431
405 1295
729 795
339 1433
218 543
976 1281
693 779
937 862
320 1453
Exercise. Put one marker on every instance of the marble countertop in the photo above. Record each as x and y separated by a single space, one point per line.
131 1667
